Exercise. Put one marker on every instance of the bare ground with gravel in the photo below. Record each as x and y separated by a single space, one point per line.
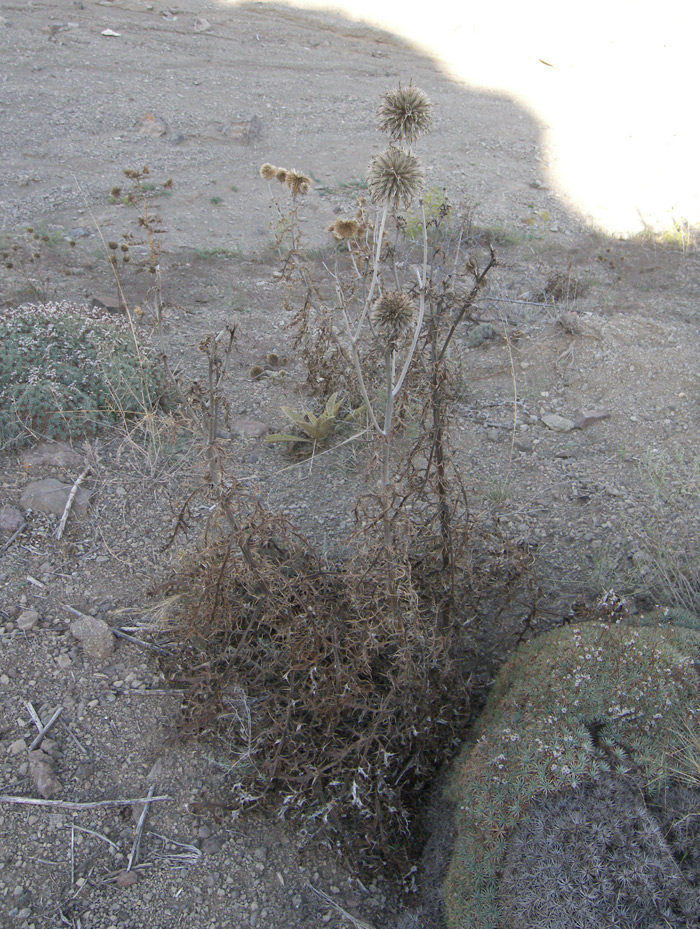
204 94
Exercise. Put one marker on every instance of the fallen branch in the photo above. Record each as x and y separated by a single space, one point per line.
70 805
69 503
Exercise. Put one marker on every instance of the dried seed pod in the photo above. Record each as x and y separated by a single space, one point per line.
405 113
393 312
298 183
395 177
345 229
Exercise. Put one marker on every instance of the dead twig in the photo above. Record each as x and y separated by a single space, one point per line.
130 638
44 730
78 807
97 835
133 857
69 503
12 538
358 923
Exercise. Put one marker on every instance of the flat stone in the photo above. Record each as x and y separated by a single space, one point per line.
17 747
249 428
52 453
10 519
149 125
95 636
126 879
42 774
51 496
557 423
27 620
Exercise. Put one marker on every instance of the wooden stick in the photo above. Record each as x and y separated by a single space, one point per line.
34 715
69 805
44 730
358 923
133 857
69 503
12 538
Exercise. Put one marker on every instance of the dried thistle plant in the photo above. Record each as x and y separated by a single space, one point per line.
405 113
395 178
268 172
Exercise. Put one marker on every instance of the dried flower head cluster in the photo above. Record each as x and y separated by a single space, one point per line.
345 229
393 312
405 113
296 182
395 177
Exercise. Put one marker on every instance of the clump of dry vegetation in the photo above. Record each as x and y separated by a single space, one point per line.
342 686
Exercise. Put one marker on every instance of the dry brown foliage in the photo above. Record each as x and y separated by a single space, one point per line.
324 693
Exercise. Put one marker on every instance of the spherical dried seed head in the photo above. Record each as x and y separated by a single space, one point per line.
256 372
281 175
405 113
345 228
393 312
268 171
298 183
395 177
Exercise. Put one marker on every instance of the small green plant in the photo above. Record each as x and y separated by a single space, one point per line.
314 429
218 253
216 200
436 206
481 333
66 371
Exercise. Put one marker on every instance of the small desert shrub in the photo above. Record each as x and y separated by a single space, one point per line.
575 707
66 371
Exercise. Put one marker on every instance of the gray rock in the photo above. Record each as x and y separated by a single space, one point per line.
27 620
51 496
52 453
249 428
557 423
42 774
212 845
126 879
95 636
10 519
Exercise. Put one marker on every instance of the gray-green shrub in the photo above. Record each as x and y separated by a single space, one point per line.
66 371
571 708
